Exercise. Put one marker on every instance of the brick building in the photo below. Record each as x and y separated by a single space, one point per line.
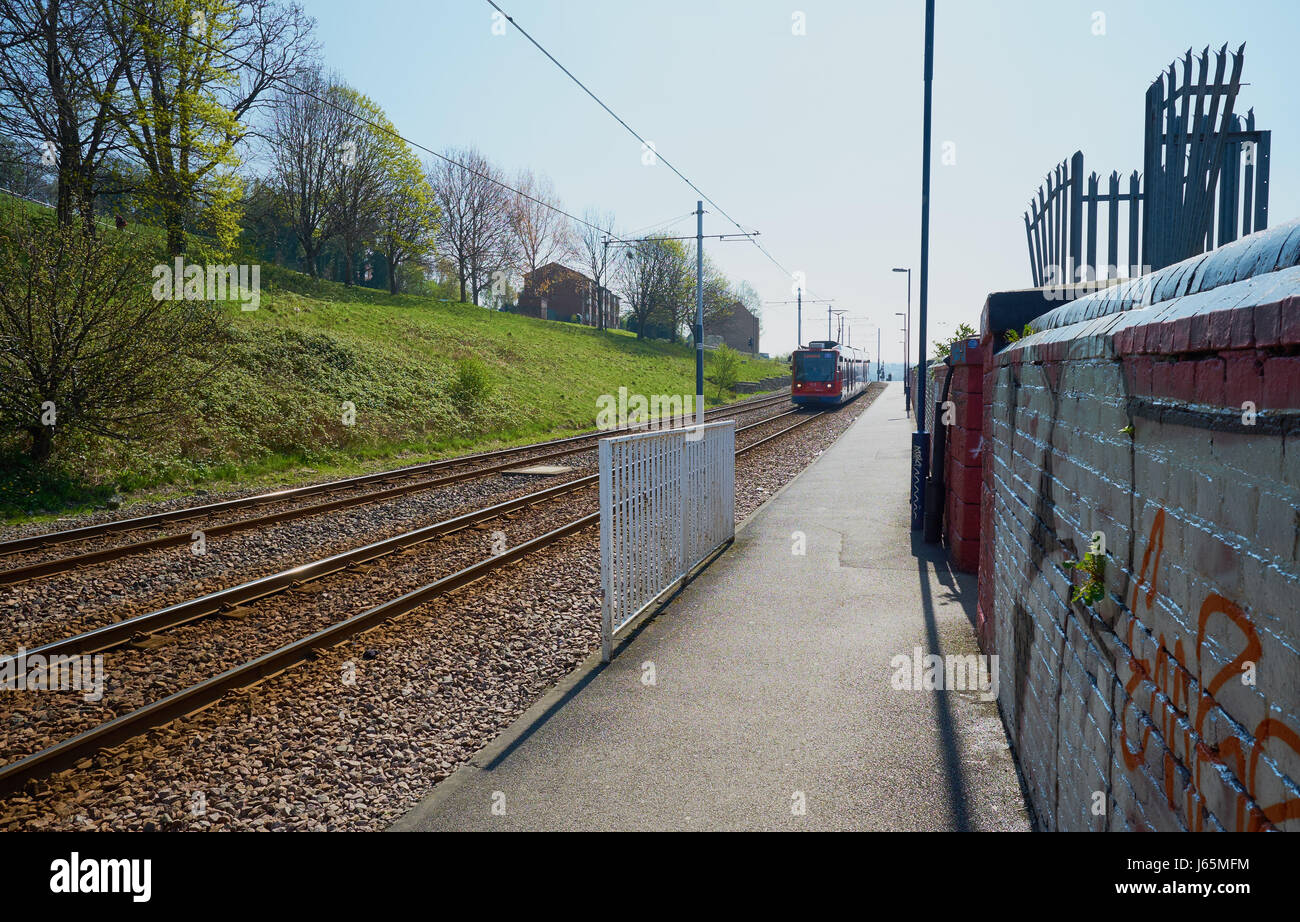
737 328
556 292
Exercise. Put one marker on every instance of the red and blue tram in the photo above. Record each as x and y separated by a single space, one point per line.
828 374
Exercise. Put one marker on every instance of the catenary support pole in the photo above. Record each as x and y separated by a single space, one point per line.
699 314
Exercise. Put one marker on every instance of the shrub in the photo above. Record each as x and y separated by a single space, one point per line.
470 386
724 369
86 347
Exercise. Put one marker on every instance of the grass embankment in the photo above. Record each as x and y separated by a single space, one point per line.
273 412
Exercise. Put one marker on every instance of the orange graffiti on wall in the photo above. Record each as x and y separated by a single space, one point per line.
1171 704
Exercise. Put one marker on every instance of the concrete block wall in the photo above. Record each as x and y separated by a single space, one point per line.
1169 424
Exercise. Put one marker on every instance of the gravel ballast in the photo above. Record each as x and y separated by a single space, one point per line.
356 736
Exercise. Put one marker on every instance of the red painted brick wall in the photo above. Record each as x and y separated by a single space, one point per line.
963 468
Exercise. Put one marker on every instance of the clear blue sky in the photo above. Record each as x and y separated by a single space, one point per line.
814 140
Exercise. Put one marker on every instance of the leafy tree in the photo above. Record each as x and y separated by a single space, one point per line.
723 369
186 93
408 215
718 296
653 277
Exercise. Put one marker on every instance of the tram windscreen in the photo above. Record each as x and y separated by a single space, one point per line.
814 366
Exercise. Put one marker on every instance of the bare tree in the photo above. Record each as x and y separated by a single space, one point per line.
651 275
746 295
59 75
591 248
476 231
306 141
541 233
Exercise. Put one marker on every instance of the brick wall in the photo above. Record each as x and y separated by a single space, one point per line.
964 441
1174 702
737 327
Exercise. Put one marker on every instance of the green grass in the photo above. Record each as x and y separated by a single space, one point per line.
274 411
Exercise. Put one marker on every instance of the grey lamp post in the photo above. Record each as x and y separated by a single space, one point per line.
907 338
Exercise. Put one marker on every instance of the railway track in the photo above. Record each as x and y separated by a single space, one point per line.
69 752
480 465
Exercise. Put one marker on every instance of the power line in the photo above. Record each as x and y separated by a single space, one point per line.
634 134
661 225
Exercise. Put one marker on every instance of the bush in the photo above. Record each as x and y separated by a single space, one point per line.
470 387
724 369
87 348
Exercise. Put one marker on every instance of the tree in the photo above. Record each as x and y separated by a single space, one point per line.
943 347
590 248
306 141
408 220
59 77
541 233
676 292
268 229
718 296
186 92
83 344
23 173
652 275
475 230
724 369
359 177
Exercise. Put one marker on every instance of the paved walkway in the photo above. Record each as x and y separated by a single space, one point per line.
771 686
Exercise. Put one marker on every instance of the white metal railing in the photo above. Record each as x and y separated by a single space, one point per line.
667 501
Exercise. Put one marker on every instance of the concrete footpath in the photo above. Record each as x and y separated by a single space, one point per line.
761 697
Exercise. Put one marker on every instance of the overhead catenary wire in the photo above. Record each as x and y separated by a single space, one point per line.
646 144
291 85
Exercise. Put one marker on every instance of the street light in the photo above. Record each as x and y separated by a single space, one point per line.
907 336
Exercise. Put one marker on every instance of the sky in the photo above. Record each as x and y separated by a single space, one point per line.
813 139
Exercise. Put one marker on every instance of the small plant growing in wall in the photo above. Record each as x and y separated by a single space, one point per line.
1012 336
1093 566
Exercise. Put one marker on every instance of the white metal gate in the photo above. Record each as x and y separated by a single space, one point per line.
667 501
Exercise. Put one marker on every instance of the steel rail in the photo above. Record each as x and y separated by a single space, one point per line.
225 600
67 753
88 558
122 526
